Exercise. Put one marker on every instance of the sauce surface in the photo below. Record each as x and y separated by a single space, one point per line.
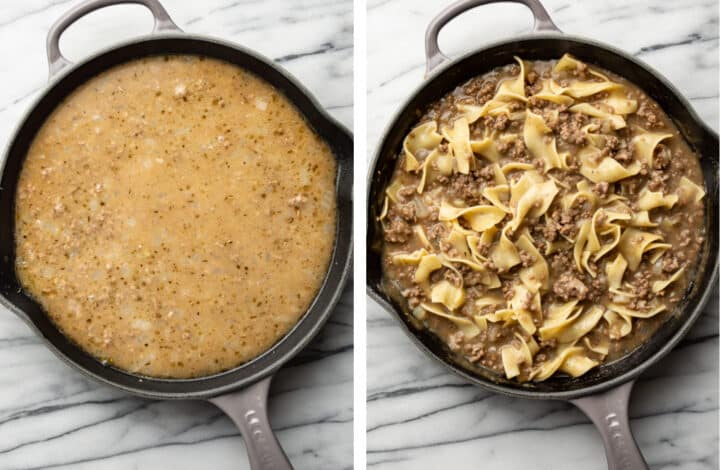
175 216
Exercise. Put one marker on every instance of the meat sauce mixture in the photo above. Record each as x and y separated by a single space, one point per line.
477 307
175 216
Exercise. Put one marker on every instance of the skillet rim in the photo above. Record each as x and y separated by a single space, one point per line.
711 262
336 135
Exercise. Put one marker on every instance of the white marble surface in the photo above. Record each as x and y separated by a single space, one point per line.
419 416
52 417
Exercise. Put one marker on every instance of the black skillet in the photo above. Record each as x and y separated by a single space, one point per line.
603 393
240 392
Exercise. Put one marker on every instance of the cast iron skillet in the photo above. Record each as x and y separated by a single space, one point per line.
602 393
240 392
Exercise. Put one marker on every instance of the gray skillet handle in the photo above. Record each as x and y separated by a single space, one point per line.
57 61
435 57
248 410
609 412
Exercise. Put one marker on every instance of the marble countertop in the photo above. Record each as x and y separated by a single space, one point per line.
50 415
421 417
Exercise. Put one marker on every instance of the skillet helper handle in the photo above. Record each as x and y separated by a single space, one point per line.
248 410
609 412
434 56
56 61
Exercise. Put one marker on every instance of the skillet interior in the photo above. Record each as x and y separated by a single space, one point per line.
701 140
339 140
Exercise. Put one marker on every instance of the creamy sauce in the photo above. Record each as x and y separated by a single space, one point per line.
175 216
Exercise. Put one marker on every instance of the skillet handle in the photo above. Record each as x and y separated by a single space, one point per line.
609 412
248 410
57 61
434 56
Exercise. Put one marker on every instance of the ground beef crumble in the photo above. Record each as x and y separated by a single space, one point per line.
568 286
513 148
414 295
649 113
397 231
407 212
601 189
570 130
465 187
455 341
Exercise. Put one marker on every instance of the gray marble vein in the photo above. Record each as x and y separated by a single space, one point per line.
421 417
52 417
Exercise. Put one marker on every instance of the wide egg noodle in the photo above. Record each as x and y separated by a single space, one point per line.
467 326
615 271
505 316
426 167
648 200
498 196
582 325
489 299
604 169
423 138
426 266
450 296
504 255
409 258
513 88
559 317
487 147
689 191
384 210
537 275
633 313
642 219
421 236
616 121
426 263
619 325
472 112
578 364
462 241
656 250
634 243
534 134
516 166
530 196
557 245
610 232
508 91
525 305
586 244
548 368
513 357
582 89
459 137
602 348
499 175
546 93
584 193
480 218
593 137
619 103
659 286
644 145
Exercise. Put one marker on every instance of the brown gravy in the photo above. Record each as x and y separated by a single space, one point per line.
175 216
